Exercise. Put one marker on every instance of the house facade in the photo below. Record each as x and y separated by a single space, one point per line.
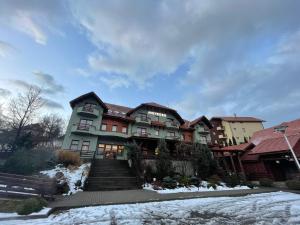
266 155
103 129
234 130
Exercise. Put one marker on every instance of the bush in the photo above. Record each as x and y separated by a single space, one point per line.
232 180
169 183
68 158
28 162
31 205
195 181
163 163
184 181
293 184
266 182
134 153
214 179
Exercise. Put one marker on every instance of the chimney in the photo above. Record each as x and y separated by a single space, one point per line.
234 114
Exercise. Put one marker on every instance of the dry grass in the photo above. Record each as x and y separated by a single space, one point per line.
68 158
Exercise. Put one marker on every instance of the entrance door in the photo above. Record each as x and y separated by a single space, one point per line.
278 170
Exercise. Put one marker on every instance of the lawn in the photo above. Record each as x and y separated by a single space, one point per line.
267 208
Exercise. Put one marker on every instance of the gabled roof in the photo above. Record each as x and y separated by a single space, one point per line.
237 119
158 106
201 119
88 95
240 147
293 127
277 145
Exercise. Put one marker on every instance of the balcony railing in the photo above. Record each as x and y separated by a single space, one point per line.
143 119
203 130
173 137
172 124
89 111
141 134
83 128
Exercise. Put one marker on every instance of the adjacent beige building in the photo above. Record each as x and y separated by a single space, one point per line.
234 130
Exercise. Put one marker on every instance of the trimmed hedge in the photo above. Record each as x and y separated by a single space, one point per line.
293 184
31 205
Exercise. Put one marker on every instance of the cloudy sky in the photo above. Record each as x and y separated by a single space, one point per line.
199 57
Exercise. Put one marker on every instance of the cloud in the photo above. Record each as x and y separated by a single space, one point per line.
22 84
4 92
138 40
34 18
48 83
50 104
5 49
269 89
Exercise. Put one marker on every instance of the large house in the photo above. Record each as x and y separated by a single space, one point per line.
104 128
234 130
266 155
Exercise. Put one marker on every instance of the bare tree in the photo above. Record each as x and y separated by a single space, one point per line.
22 110
52 126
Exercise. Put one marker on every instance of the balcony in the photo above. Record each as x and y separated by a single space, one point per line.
143 120
83 129
172 124
173 137
88 111
203 130
222 136
220 128
141 134
114 134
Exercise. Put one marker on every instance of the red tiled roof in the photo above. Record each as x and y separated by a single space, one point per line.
117 108
248 157
259 136
238 119
276 145
240 147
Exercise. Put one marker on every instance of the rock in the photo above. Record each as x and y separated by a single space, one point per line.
59 176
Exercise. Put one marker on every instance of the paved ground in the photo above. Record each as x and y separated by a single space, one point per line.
274 208
82 199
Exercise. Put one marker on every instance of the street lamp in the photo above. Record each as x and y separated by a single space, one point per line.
282 129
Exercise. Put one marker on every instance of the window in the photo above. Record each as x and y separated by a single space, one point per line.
182 137
103 126
124 130
170 120
203 139
114 128
89 107
234 128
156 118
171 134
143 116
85 146
101 149
120 150
74 144
85 124
115 148
156 131
244 130
142 130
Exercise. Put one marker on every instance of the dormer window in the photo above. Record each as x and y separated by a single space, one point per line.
89 107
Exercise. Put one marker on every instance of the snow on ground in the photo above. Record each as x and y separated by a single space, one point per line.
72 176
44 211
267 208
202 188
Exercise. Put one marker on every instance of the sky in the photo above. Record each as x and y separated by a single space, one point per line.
212 58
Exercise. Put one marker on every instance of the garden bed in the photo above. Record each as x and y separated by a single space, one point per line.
72 175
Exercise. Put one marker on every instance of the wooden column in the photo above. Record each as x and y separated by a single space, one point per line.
225 162
240 164
232 162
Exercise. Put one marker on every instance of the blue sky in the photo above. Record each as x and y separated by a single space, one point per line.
200 57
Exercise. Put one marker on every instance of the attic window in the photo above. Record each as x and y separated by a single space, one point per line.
123 113
116 112
110 111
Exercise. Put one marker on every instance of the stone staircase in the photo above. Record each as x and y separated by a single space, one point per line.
108 175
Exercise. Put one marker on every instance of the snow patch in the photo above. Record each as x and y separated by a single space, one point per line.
203 187
71 175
